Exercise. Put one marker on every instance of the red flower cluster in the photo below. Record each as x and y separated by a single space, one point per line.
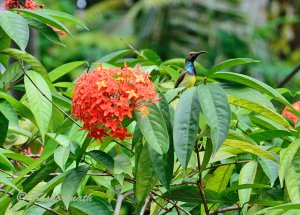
103 97
286 112
29 4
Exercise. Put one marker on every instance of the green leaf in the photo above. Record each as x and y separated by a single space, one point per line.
286 157
251 82
45 30
247 176
12 74
9 112
216 110
6 181
269 135
292 179
154 129
230 63
18 157
39 105
64 69
71 183
5 43
95 205
122 164
144 176
29 59
250 148
270 168
61 156
62 16
102 158
112 57
283 208
44 18
260 109
244 186
3 128
16 27
185 128
4 162
191 194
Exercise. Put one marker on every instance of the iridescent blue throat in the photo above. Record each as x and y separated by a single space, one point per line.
190 67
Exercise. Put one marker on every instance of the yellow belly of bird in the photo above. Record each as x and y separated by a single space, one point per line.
188 81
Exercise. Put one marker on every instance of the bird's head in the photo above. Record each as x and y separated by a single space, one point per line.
191 56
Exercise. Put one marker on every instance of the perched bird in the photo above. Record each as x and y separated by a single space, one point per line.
187 77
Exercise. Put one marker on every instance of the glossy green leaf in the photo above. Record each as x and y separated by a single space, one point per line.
9 112
185 128
292 179
44 29
61 156
145 177
28 59
5 162
282 208
269 135
18 157
95 205
114 56
12 74
244 186
230 63
216 110
250 148
260 109
45 18
247 176
6 181
64 17
3 128
122 164
16 27
64 69
251 82
102 158
191 194
286 157
154 129
40 106
5 43
270 168
71 183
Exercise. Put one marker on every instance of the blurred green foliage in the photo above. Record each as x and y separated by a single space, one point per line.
266 30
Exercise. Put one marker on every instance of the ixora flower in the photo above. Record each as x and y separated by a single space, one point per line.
104 97
28 4
286 112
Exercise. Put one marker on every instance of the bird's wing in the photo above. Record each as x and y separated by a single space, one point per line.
180 78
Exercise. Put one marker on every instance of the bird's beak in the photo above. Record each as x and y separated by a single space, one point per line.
201 52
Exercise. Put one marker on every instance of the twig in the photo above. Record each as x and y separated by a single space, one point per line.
120 199
171 202
289 77
134 49
223 164
200 185
55 105
222 210
161 206
36 204
145 205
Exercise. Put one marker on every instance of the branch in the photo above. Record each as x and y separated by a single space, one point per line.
171 202
200 184
289 77
145 205
120 144
222 210
55 105
120 199
36 204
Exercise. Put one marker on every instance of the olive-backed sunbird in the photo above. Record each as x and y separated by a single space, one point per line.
187 77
